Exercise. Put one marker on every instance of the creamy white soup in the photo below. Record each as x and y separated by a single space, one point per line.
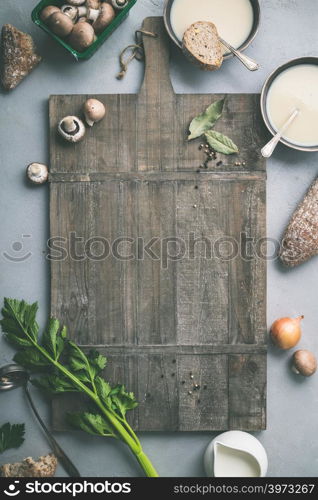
233 18
296 88
234 463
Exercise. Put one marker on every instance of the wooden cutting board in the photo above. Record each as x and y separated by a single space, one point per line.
164 324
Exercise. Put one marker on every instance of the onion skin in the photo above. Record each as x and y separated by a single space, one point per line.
286 332
304 363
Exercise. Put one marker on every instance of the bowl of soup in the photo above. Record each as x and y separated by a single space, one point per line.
294 85
237 21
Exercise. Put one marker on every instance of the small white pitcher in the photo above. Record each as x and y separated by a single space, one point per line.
235 454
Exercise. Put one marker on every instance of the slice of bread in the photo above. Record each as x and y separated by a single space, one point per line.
201 45
43 467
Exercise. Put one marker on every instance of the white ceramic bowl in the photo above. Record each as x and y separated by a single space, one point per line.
250 38
264 94
238 441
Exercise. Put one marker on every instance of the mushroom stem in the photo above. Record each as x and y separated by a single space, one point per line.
82 11
71 128
69 125
89 122
35 169
76 2
294 369
93 14
37 173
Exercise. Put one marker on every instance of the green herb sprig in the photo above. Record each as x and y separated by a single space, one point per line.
68 369
11 436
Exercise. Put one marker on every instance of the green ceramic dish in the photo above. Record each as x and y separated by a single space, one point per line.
121 15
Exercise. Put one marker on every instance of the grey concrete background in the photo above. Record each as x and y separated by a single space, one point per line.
288 29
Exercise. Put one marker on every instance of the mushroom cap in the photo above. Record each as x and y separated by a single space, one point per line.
304 362
94 111
38 173
107 14
93 4
71 128
119 4
48 11
82 36
76 2
60 24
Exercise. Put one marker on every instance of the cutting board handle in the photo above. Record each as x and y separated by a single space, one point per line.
157 58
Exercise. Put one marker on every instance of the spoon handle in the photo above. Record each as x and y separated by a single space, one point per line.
247 61
268 149
60 454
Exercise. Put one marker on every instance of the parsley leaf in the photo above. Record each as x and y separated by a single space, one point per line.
11 436
122 400
91 423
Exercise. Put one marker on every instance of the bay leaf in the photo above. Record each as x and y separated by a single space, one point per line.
221 143
206 120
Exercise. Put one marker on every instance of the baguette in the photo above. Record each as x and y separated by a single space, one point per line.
300 239
43 467
201 45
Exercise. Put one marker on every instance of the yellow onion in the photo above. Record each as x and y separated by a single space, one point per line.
286 332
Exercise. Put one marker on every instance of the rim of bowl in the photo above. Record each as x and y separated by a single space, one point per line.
256 22
264 93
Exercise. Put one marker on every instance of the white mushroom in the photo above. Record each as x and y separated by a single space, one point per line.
70 11
304 363
37 173
105 17
48 11
119 4
71 128
60 24
74 12
82 36
94 111
76 2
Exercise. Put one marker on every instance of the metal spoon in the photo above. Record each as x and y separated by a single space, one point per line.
14 376
268 149
247 61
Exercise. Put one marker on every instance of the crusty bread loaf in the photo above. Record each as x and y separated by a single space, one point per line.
43 467
300 239
19 57
201 45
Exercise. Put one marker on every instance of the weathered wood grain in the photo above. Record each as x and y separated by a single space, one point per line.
159 282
